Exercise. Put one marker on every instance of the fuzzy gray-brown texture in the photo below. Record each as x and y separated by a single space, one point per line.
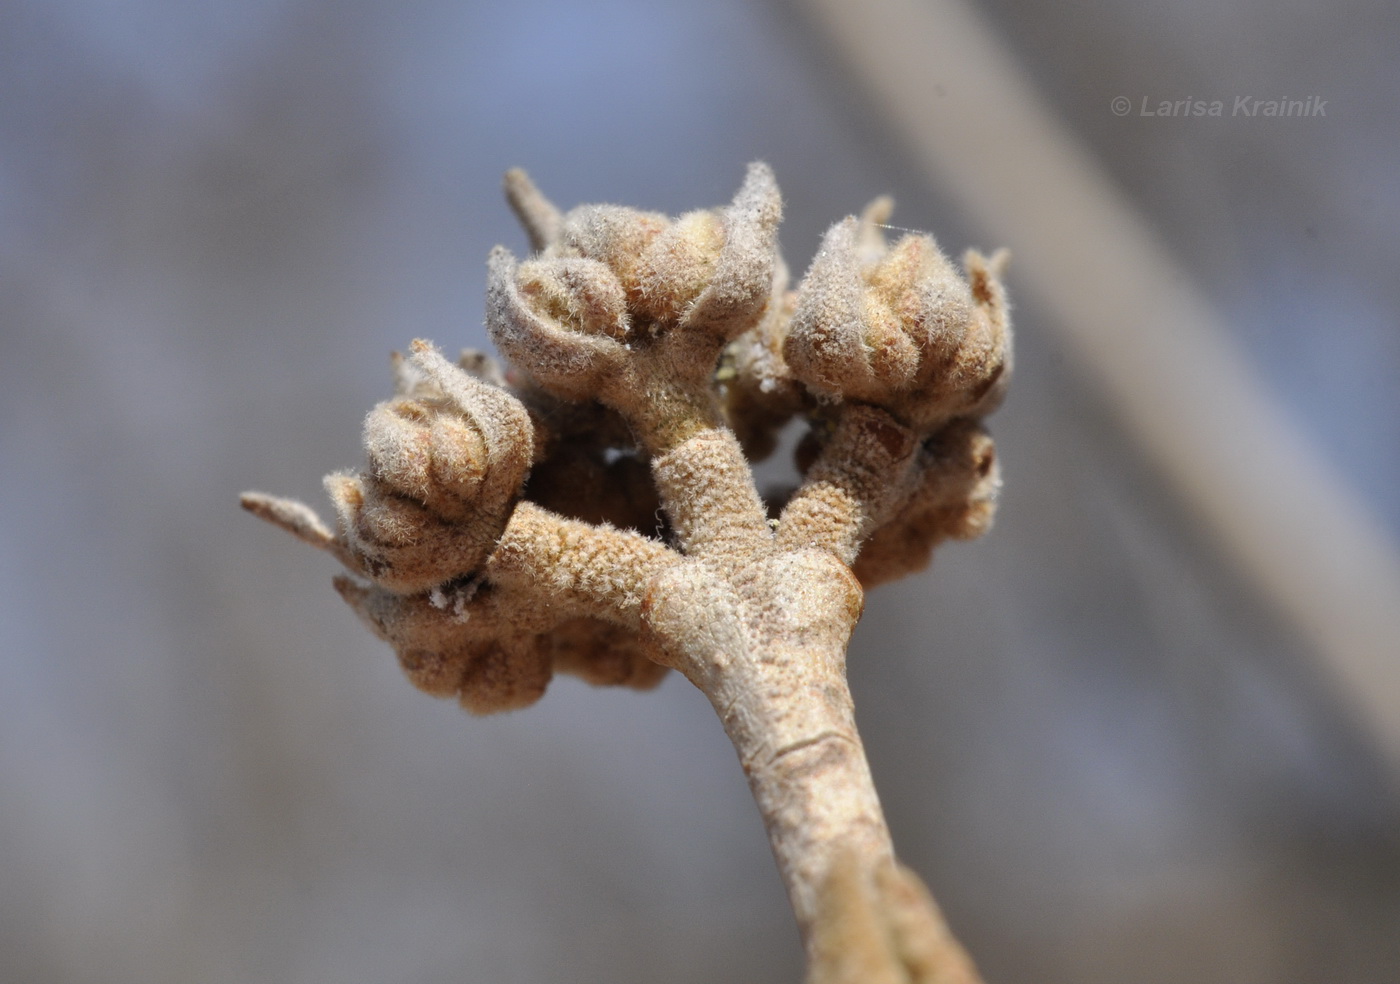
505 530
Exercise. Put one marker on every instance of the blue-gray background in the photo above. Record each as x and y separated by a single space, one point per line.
1108 758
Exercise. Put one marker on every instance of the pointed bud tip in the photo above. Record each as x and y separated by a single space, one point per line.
879 211
296 518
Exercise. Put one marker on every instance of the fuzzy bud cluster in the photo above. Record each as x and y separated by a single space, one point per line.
504 530
448 458
594 510
610 280
446 462
900 327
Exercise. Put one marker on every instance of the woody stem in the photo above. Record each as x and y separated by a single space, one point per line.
794 731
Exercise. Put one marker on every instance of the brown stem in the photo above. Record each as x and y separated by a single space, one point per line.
594 570
790 717
766 642
848 491
707 490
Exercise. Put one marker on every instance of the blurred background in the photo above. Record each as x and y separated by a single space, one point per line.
1109 741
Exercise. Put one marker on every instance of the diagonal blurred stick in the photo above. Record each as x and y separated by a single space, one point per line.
1289 523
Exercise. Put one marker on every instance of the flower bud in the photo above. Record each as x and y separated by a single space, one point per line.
741 286
423 451
953 495
460 447
960 480
603 654
446 465
678 265
399 543
446 653
531 326
616 277
613 235
506 675
899 327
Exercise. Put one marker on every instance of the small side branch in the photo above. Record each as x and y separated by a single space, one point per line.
859 477
589 570
298 519
708 493
539 217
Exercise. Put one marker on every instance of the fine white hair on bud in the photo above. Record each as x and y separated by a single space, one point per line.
899 326
591 508
446 464
616 280
558 353
739 285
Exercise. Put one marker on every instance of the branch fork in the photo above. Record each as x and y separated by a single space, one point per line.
505 530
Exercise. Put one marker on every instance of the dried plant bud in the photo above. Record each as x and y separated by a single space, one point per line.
634 340
432 643
716 271
425 452
677 266
454 443
457 643
616 277
468 640
508 674
501 421
446 465
989 352
563 357
613 235
899 326
961 480
399 543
